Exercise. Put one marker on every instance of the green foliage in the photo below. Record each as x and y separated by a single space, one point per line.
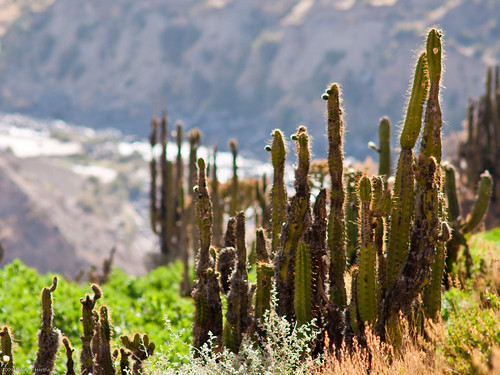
135 304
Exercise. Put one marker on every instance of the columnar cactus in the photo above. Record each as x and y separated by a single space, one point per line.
206 294
352 215
218 206
104 361
265 273
366 288
303 284
153 209
278 190
49 337
402 209
227 255
384 148
69 356
336 222
89 318
237 317
297 223
233 206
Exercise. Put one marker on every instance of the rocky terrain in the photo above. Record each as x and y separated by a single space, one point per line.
243 66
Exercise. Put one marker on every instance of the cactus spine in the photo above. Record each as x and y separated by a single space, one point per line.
208 306
49 337
402 209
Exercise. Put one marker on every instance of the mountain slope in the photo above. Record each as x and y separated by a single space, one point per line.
247 67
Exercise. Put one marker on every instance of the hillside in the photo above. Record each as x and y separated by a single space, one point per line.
245 66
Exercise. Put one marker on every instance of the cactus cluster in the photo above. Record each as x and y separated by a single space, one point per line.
97 355
393 238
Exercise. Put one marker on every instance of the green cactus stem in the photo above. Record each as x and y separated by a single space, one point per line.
278 190
218 205
351 215
353 306
6 345
297 223
194 137
141 349
69 356
366 288
206 293
384 149
165 211
227 255
303 283
265 220
431 137
153 209
265 273
237 318
336 222
318 252
49 337
89 318
104 361
233 146
402 208
481 204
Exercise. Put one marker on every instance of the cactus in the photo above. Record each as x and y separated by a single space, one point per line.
278 191
88 321
233 207
402 209
141 349
366 286
351 215
206 295
194 137
49 337
265 273
303 283
217 203
297 223
7 356
153 209
260 189
353 306
104 361
384 149
69 356
237 318
227 255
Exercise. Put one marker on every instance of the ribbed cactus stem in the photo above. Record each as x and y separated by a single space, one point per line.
6 349
69 356
303 283
206 293
481 204
233 146
153 209
402 209
217 203
297 223
237 319
49 337
265 273
103 355
351 215
353 305
384 131
88 321
165 213
336 223
451 193
141 348
431 137
366 288
278 190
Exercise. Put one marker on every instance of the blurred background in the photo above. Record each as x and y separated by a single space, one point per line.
232 68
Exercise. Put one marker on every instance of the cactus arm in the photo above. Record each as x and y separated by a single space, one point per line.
402 209
336 222
233 145
49 337
302 288
481 204
278 190
265 273
384 132
451 193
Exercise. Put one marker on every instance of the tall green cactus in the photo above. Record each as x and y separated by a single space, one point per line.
153 209
49 337
336 222
352 215
297 224
102 352
303 283
278 191
89 318
366 287
402 209
206 293
237 317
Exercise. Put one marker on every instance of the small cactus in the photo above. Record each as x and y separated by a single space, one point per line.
89 319
141 349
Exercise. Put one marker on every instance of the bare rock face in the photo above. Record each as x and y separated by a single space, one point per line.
53 221
249 66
